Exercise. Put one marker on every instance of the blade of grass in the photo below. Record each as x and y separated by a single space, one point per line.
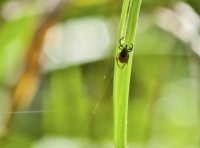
127 29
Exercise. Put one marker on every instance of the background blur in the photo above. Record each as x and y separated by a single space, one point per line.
56 74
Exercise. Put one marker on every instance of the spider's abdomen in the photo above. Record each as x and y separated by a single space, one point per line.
123 56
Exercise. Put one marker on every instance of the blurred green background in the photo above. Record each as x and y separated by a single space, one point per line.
56 74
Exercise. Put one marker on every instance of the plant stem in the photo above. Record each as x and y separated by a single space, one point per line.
127 29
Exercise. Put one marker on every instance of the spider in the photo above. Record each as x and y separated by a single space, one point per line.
123 56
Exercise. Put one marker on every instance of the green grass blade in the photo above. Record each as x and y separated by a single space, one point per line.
127 29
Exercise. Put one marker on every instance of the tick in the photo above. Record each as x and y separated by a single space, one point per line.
123 56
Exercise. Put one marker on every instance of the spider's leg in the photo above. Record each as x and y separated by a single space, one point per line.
117 59
131 48
121 47
124 65
120 41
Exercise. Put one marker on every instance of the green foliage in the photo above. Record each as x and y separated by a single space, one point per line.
73 104
128 23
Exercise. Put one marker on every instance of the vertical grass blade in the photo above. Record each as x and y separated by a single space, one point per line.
127 29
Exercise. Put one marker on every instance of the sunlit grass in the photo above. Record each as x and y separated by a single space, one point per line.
127 30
